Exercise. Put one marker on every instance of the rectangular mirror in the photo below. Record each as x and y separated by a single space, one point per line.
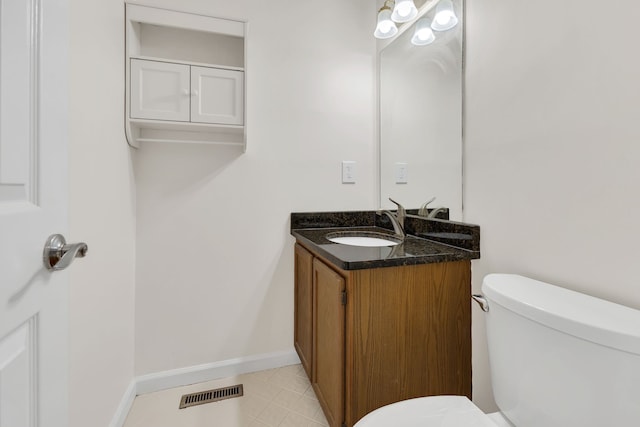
420 90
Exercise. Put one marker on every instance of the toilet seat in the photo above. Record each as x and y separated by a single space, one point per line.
499 419
432 411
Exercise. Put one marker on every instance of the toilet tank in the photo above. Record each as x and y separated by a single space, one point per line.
561 358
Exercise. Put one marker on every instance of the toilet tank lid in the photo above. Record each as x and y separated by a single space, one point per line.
593 319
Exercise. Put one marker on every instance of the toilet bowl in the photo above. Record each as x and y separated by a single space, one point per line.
434 411
558 358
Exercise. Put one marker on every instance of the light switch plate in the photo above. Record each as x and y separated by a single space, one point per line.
348 172
402 173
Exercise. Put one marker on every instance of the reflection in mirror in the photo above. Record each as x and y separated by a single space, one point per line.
421 119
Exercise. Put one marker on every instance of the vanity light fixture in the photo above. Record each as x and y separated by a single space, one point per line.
445 17
423 34
386 28
404 11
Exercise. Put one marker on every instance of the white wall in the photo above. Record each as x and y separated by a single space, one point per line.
101 214
215 258
552 147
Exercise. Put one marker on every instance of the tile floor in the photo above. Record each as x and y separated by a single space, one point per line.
280 397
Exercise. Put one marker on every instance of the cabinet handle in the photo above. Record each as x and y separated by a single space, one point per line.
186 92
194 93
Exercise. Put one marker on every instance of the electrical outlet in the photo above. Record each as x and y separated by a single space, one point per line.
348 172
402 173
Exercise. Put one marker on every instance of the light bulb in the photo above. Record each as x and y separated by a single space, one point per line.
445 18
423 34
404 11
386 28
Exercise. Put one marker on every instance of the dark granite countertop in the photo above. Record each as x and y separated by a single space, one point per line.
438 241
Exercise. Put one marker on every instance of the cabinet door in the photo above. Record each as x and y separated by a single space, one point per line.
160 90
303 308
328 341
409 335
218 96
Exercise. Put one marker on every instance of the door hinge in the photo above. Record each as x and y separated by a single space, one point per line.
344 297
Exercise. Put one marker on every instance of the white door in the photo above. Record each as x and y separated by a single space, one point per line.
217 96
160 90
33 205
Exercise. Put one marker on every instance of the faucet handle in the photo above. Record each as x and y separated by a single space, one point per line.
400 207
424 211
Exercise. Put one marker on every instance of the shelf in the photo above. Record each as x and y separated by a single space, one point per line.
158 131
180 141
170 125
189 21
176 61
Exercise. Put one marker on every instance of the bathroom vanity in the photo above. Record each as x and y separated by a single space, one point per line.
378 325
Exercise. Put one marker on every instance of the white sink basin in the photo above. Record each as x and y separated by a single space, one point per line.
364 239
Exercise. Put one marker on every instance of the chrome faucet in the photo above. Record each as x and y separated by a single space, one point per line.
435 211
397 219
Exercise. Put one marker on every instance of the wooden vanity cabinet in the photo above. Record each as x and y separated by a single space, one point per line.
303 307
382 335
328 379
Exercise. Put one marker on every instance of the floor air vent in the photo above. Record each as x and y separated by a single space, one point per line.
209 396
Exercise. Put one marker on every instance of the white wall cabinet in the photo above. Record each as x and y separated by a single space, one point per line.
184 93
185 78
217 96
160 91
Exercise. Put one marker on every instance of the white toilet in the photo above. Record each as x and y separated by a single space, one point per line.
558 359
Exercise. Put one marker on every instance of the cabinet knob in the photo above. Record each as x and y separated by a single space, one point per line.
186 92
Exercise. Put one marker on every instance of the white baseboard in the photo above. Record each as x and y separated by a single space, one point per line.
212 371
197 374
125 405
